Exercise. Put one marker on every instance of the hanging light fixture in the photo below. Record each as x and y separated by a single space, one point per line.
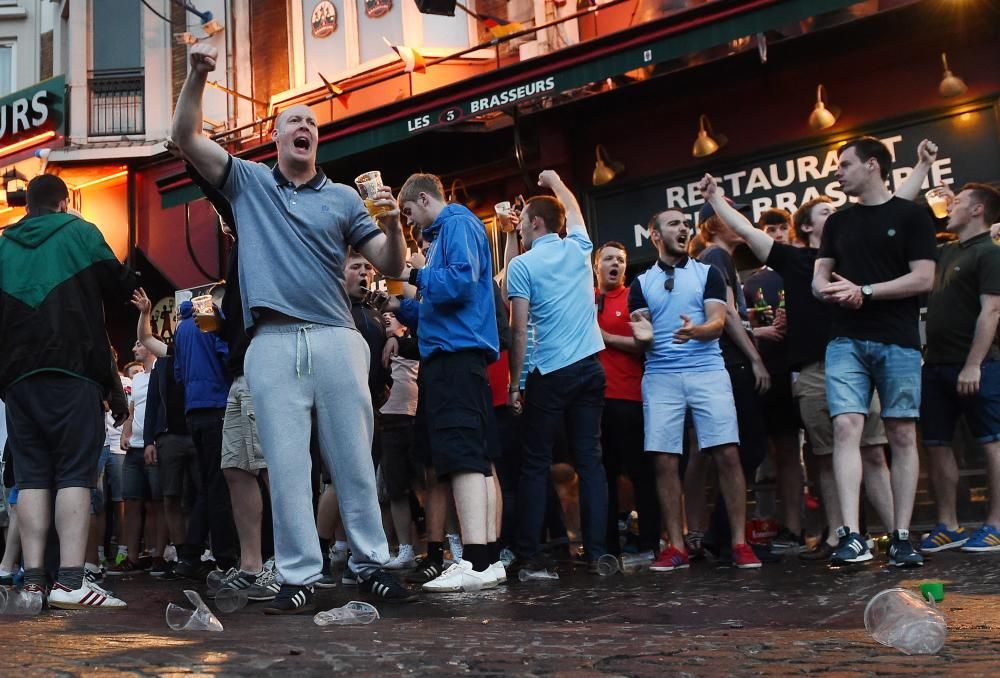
951 85
705 144
823 117
605 169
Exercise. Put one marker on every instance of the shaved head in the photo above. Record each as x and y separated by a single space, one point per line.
301 109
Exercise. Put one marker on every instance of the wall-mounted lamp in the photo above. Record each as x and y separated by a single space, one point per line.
605 169
707 141
823 117
951 85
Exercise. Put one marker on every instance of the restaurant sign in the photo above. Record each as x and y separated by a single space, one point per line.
32 110
969 145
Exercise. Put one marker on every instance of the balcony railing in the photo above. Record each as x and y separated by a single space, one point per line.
116 103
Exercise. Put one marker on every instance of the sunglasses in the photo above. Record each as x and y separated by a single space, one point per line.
668 284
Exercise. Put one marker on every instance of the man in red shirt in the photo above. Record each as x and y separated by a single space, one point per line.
622 425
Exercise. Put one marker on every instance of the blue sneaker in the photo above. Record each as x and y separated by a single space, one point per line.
985 540
851 549
901 551
942 539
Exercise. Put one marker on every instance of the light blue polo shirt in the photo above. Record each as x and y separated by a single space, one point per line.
294 241
554 276
694 285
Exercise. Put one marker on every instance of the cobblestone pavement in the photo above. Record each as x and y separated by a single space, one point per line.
786 619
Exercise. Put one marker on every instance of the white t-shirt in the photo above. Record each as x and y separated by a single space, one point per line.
112 435
403 396
140 384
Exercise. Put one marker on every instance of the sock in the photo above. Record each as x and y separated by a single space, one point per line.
122 550
405 552
493 551
36 575
435 552
5 573
90 567
455 545
324 546
71 577
100 554
902 535
478 555
339 545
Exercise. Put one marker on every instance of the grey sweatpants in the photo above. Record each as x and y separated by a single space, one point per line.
295 369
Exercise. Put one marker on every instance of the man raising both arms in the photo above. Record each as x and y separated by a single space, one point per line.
306 358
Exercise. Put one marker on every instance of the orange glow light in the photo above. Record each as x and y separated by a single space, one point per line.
26 143
101 180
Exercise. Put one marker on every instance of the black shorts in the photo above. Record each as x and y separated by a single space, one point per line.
401 469
140 481
178 462
55 429
457 405
781 413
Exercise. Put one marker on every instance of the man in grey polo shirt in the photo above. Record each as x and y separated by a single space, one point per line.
552 283
306 358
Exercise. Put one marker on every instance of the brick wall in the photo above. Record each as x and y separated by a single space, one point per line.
45 56
268 49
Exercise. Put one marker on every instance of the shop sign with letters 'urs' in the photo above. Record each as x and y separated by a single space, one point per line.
32 110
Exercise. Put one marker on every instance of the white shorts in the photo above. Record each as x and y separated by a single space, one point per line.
667 397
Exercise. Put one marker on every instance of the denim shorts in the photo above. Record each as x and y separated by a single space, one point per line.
97 493
113 471
855 366
942 406
709 396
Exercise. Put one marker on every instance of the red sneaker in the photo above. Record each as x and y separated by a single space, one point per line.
744 558
670 559
812 503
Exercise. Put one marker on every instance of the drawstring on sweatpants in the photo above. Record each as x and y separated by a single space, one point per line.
303 333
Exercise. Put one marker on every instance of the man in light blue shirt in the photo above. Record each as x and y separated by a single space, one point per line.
552 283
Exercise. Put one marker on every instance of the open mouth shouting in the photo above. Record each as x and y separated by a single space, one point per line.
302 142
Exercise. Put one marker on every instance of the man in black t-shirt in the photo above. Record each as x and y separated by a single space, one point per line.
875 259
963 360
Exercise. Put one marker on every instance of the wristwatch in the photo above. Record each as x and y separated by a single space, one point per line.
866 293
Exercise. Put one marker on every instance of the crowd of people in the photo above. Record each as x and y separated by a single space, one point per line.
288 435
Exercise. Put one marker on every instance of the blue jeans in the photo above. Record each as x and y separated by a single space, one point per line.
854 366
942 406
572 396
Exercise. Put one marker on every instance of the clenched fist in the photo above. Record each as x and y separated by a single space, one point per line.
203 57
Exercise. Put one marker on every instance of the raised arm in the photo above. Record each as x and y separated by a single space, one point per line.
387 250
208 157
926 155
574 215
760 243
145 328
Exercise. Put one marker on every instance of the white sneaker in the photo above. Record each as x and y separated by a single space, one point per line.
499 571
461 577
404 561
87 596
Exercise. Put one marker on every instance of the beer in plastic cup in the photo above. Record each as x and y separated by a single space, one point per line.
395 287
502 210
204 313
368 185
938 199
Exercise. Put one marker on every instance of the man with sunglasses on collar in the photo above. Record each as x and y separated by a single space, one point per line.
678 312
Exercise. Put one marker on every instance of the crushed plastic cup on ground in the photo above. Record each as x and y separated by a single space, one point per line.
14 602
537 575
634 563
900 619
199 619
607 565
229 600
354 612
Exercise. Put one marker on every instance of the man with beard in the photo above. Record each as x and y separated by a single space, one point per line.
678 311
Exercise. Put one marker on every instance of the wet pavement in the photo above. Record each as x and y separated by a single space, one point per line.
785 619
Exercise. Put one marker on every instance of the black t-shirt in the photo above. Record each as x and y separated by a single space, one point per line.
808 317
722 261
770 283
873 244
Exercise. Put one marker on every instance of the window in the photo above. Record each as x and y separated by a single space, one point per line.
117 85
7 77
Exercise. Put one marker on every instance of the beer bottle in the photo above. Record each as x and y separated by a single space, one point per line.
781 298
761 307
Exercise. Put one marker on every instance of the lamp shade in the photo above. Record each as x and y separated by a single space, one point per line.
821 117
951 85
704 143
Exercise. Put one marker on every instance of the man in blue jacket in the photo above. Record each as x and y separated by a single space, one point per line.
457 337
200 366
